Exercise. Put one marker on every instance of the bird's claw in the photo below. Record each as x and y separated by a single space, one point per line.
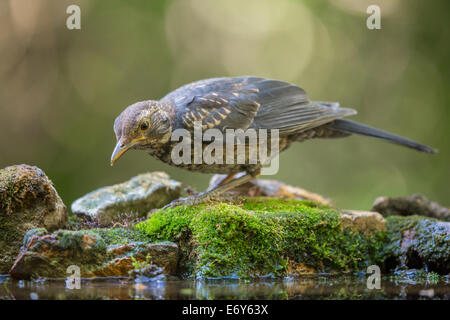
187 201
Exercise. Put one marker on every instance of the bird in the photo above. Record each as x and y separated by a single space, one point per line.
246 103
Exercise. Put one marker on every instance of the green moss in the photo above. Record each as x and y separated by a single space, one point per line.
31 233
22 189
261 236
418 242
138 264
10 241
118 236
22 186
278 205
415 276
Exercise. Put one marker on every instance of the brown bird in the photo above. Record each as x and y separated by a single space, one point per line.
235 103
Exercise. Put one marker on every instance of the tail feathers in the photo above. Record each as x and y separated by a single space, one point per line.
349 126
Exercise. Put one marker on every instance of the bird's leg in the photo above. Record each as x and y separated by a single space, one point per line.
222 181
221 188
205 196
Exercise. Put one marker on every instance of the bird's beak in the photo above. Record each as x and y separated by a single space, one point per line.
119 150
122 147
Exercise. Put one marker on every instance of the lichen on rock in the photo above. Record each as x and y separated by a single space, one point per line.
139 195
97 252
259 237
416 242
27 200
239 237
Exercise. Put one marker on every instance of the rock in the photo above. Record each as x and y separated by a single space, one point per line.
138 195
366 221
27 200
415 204
148 273
267 237
272 188
49 255
161 255
418 243
95 252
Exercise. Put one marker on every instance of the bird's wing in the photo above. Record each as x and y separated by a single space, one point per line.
251 102
218 103
286 107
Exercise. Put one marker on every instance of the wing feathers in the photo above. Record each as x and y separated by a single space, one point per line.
243 102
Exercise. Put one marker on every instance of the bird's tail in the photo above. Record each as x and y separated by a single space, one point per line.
349 126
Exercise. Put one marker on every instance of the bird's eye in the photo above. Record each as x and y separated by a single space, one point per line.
144 125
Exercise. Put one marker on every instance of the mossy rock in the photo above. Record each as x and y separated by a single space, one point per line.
416 242
27 200
97 252
136 196
258 237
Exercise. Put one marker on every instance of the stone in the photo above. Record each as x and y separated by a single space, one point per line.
273 189
49 255
368 222
95 252
416 242
161 255
148 273
138 195
257 237
415 204
27 200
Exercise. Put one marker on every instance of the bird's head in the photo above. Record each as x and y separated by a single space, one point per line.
142 125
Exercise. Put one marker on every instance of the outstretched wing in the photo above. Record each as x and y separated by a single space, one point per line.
251 102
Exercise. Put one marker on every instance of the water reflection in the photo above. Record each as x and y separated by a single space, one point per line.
311 287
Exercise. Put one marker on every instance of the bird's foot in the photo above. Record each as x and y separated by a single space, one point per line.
188 201
202 197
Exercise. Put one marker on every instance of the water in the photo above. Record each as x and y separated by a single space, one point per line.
308 287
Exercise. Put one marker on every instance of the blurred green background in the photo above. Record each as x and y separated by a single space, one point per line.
62 89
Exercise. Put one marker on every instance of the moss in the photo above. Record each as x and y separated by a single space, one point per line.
118 236
73 241
418 242
10 241
103 252
31 233
279 205
415 276
26 198
260 237
22 186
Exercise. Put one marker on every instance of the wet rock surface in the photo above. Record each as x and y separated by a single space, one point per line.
271 188
125 259
138 195
27 200
95 252
148 273
416 242
415 204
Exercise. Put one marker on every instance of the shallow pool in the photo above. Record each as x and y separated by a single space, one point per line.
404 286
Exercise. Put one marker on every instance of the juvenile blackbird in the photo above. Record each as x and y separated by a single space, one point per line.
235 103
